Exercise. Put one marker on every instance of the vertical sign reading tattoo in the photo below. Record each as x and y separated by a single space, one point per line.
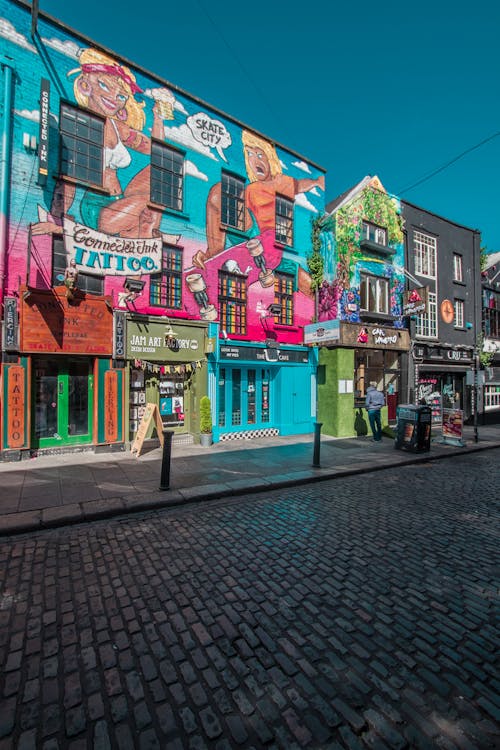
111 406
15 407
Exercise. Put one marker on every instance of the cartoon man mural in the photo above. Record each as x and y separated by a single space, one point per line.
266 177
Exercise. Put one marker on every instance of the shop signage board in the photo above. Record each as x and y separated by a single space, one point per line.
49 323
151 413
43 133
257 354
147 340
10 325
325 332
111 406
452 427
15 423
359 335
415 301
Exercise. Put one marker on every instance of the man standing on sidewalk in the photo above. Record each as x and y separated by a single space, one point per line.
374 402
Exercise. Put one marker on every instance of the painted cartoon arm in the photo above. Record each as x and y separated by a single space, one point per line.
305 184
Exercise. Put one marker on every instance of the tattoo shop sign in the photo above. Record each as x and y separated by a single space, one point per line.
106 255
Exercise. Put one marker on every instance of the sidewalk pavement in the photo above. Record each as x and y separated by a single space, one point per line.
56 490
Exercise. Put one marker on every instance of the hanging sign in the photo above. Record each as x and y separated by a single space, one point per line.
10 325
43 135
15 424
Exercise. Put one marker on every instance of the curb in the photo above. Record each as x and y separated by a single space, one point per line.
96 510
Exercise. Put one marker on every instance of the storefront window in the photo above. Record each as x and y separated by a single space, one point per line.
265 395
251 398
236 398
381 366
222 397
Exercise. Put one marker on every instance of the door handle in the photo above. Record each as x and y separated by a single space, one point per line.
60 388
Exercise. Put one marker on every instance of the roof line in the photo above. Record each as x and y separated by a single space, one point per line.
92 42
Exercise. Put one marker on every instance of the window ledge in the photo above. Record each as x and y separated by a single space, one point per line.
168 210
284 327
81 183
374 247
369 315
284 246
238 232
459 283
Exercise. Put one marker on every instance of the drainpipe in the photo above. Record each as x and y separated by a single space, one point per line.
5 165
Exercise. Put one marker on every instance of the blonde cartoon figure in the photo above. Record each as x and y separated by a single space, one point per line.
108 88
266 178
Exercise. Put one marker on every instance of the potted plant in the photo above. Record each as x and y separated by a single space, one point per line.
205 422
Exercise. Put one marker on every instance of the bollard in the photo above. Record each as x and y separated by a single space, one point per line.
165 460
317 444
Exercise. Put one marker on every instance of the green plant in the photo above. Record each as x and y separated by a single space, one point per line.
205 415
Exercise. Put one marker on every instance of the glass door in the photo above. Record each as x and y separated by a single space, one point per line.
243 398
62 398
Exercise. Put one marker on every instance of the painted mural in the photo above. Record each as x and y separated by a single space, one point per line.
339 293
114 230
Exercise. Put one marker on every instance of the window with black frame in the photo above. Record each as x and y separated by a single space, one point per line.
284 220
167 176
232 302
166 287
233 201
82 144
86 282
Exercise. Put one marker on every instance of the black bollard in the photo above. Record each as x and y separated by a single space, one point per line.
317 444
165 460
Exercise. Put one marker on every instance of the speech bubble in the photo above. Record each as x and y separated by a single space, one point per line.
211 133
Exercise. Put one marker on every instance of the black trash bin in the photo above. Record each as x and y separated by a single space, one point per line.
413 431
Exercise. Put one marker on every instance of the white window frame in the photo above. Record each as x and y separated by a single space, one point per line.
459 313
380 287
458 268
425 254
491 397
426 326
373 233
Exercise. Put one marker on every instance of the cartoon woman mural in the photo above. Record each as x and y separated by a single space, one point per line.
108 88
266 177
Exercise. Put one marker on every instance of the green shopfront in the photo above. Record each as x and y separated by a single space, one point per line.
166 366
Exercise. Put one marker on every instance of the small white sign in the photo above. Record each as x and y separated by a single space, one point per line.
322 333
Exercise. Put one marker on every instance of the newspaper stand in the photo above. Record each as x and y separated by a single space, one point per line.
413 432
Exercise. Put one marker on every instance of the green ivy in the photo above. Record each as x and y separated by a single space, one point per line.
370 205
315 263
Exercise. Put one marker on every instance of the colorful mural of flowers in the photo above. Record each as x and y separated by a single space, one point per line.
373 205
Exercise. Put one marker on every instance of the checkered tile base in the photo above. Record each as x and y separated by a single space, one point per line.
250 434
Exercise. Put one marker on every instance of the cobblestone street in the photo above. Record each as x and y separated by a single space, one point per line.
360 612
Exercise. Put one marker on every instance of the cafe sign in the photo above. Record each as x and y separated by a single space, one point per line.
361 336
415 301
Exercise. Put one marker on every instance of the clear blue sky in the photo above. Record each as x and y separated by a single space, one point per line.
394 89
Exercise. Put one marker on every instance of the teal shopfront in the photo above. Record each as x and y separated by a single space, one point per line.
261 391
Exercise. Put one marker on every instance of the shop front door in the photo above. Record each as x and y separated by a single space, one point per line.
62 402
244 398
